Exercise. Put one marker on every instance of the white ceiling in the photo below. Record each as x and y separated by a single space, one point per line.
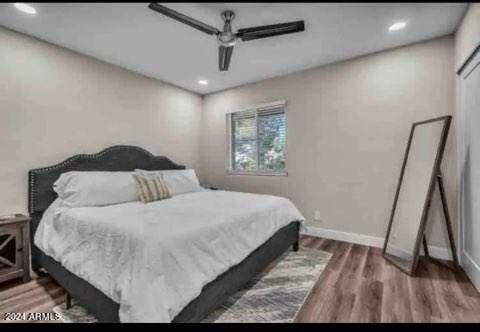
132 36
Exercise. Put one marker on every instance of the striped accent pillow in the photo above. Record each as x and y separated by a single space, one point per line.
149 190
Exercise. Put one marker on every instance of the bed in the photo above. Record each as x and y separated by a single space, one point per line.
127 158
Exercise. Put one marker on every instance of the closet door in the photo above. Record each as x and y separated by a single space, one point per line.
470 190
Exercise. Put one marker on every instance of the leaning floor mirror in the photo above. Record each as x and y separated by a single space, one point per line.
419 176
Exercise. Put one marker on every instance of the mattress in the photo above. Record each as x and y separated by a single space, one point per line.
153 259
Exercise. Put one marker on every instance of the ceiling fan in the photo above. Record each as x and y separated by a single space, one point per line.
226 38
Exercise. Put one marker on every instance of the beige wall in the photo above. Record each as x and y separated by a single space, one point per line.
348 124
468 34
55 103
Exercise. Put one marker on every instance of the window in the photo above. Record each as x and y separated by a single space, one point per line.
257 139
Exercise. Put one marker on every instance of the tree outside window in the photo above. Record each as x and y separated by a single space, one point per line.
257 140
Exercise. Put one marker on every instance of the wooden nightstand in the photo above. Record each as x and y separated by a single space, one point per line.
15 248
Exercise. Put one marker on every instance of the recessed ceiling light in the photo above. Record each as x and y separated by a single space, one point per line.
397 26
203 82
25 8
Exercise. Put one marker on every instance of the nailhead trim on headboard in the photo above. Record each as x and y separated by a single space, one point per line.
115 158
34 172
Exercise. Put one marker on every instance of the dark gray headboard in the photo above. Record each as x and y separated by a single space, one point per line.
115 158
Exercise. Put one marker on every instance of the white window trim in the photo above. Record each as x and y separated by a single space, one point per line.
256 173
270 104
228 159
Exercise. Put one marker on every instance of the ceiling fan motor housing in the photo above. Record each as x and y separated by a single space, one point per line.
226 37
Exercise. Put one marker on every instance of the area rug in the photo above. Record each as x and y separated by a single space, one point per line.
274 296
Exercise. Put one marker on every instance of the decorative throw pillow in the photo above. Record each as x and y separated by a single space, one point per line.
150 189
77 188
178 181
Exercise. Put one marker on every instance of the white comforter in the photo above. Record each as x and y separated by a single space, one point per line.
153 259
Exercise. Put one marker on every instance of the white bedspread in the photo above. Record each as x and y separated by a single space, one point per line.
153 259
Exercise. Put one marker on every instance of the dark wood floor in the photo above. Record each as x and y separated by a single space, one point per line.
39 295
357 285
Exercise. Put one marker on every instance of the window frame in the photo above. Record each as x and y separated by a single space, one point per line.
255 109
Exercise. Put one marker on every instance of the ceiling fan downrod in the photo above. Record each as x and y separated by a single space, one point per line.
226 37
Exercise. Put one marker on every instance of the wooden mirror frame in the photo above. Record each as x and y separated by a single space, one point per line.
435 176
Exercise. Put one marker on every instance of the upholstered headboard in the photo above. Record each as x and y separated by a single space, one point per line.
115 158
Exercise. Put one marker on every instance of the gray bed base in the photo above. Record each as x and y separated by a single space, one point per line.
212 296
128 158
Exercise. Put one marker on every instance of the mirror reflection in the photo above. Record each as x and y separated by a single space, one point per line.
405 235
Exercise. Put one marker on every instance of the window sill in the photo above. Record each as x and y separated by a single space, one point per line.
230 172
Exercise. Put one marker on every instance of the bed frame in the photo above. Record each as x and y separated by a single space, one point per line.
128 158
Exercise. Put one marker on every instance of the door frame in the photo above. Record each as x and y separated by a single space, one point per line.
471 64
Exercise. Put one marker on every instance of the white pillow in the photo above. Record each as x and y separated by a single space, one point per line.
95 188
178 181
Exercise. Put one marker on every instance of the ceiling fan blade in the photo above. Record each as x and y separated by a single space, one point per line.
184 19
270 30
224 56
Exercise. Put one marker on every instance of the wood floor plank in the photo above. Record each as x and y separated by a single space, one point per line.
19 288
323 292
32 302
396 305
46 306
325 245
312 242
29 294
368 307
368 304
455 304
306 240
341 297
424 301
373 268
466 286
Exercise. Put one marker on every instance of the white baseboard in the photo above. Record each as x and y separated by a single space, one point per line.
440 252
342 236
472 269
366 240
